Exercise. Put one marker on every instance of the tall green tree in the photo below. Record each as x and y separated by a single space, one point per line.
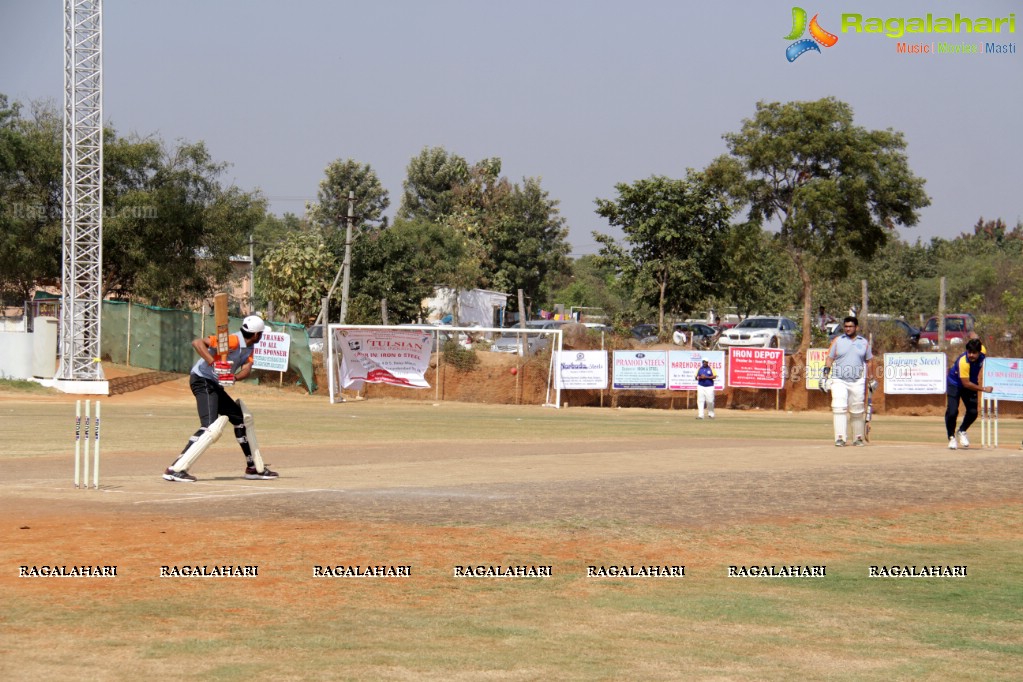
515 237
755 276
592 284
295 275
527 245
30 198
431 181
330 212
835 188
403 264
673 230
329 215
272 229
172 227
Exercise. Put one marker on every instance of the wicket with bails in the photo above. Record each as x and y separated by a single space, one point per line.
82 453
988 422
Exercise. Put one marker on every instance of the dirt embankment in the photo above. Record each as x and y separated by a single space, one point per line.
508 379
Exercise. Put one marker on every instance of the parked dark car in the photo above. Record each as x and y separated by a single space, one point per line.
645 333
702 336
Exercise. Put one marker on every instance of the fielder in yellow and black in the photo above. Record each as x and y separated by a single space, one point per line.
216 408
965 382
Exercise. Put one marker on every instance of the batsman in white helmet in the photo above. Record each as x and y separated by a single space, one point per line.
214 370
847 375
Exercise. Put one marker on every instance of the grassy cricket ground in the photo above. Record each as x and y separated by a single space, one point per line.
438 486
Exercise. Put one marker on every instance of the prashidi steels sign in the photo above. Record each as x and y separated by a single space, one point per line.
955 34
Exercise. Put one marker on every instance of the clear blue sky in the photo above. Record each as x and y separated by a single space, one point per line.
582 93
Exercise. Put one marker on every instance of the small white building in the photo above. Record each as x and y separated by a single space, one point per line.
478 307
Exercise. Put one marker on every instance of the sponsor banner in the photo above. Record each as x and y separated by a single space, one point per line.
815 358
581 369
682 366
1006 375
756 367
640 369
271 353
383 356
914 373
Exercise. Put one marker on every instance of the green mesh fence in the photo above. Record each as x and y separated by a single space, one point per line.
161 338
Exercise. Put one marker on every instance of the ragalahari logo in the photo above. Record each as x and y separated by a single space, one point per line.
817 35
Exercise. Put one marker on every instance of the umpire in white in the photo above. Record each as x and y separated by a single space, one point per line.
847 371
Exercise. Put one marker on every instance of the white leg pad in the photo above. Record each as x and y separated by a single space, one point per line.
199 446
858 422
250 435
841 425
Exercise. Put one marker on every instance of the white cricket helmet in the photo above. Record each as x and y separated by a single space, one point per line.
253 324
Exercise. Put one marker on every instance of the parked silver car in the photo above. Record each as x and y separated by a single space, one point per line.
761 332
512 342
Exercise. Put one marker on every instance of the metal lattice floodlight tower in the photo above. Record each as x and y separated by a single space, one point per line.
82 253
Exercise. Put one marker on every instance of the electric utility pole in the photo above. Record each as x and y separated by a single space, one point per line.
347 266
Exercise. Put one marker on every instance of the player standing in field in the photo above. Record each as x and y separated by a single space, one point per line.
207 380
847 371
705 390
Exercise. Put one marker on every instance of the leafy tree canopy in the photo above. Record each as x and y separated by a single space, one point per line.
673 231
836 189
170 227
295 274
515 235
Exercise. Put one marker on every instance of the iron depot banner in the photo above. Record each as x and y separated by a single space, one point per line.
756 367
914 373
383 356
682 366
1006 375
815 359
272 351
581 369
640 369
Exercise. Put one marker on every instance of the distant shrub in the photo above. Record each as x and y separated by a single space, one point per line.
461 358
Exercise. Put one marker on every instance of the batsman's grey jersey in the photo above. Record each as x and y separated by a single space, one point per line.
850 357
238 354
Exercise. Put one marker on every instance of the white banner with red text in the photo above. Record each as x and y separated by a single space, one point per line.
383 356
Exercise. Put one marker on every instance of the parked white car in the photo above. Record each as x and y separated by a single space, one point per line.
515 341
761 332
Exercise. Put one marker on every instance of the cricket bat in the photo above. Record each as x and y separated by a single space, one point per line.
220 318
221 367
869 413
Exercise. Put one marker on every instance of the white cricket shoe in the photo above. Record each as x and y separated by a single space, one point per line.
952 445
964 442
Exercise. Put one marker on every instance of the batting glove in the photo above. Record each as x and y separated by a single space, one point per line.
824 384
224 374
